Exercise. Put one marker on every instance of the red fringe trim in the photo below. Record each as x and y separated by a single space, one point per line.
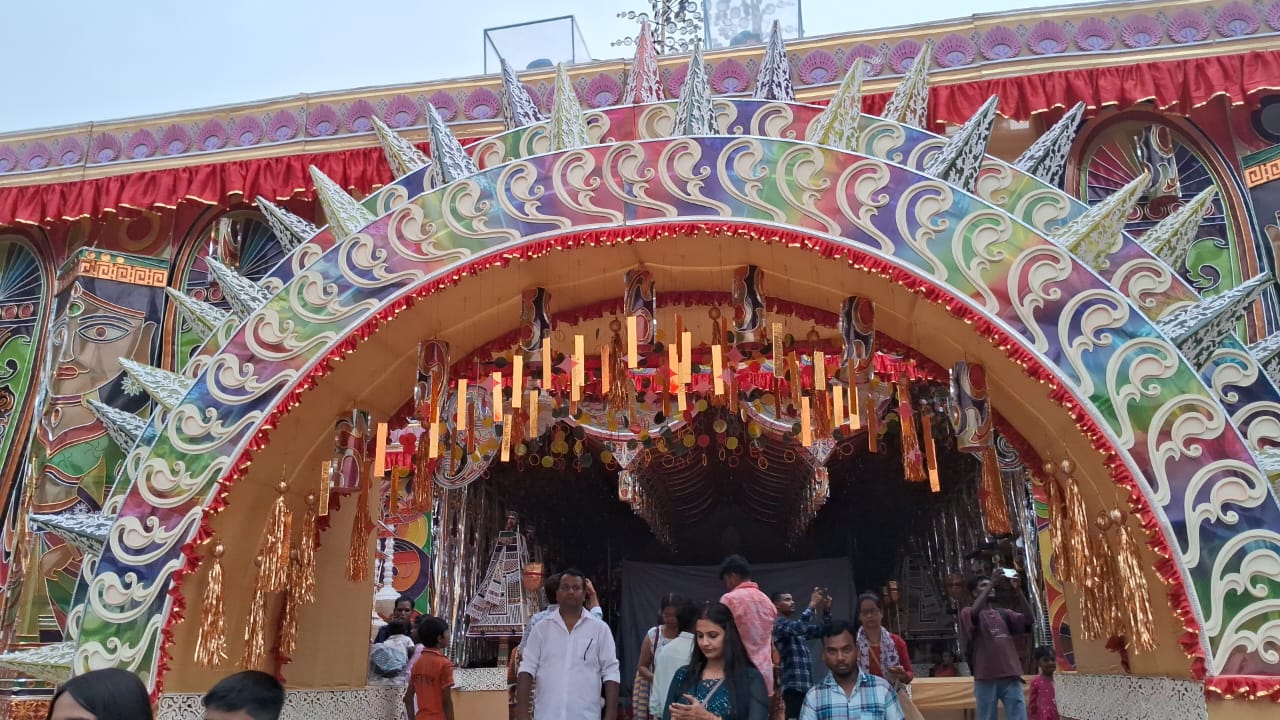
856 258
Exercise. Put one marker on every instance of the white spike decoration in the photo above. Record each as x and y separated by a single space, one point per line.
1171 238
403 157
346 216
86 531
166 388
449 161
1047 156
773 82
1267 353
568 128
837 125
695 112
909 103
291 230
959 161
243 294
1197 329
204 318
518 109
123 427
1093 236
644 84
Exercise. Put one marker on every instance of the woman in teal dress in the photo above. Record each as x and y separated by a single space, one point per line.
720 682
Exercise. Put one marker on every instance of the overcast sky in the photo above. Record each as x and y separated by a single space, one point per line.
75 61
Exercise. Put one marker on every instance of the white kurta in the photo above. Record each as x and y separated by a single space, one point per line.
569 667
673 656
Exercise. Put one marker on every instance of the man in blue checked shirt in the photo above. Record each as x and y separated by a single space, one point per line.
791 636
848 693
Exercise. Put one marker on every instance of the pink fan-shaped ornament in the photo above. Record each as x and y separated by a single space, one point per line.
36 156
141 144
1094 35
903 56
604 90
283 126
8 159
872 59
248 131
818 67
1237 20
175 140
1000 43
359 115
1140 31
675 80
69 151
954 50
1188 26
1272 15
322 121
212 135
482 104
401 112
446 104
730 76
1047 38
104 148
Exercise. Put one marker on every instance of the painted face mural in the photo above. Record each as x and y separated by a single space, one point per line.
110 307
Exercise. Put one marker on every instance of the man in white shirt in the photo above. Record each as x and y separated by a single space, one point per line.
552 586
673 656
570 656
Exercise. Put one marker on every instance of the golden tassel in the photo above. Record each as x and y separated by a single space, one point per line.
991 495
361 528
211 644
912 458
1076 556
255 630
1057 524
618 397
1131 584
293 600
304 582
273 574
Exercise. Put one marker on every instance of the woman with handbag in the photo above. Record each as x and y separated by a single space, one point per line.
883 653
654 640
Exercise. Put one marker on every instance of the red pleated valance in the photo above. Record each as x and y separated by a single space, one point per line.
1175 86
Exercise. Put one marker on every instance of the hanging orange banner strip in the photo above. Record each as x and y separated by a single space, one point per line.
819 370
633 348
326 471
497 396
605 379
460 412
546 365
507 432
433 441
686 358
806 423
837 410
380 450
517 379
533 413
717 369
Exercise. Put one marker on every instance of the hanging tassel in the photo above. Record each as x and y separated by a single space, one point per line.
273 574
211 644
991 495
293 600
930 450
1131 585
912 458
361 528
255 630
619 396
304 582
1076 560
1098 603
1057 525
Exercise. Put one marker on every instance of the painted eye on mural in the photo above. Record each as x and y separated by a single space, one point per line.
102 329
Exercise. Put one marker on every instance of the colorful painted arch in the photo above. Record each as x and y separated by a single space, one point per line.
1203 496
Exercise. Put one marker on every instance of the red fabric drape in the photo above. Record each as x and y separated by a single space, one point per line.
1176 86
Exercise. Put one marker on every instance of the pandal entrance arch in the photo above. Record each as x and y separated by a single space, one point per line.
1094 349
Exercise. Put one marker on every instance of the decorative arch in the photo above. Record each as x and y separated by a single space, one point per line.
1208 509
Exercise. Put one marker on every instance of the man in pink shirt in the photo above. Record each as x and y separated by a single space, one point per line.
753 612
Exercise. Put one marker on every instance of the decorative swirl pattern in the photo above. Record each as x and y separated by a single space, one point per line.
1168 429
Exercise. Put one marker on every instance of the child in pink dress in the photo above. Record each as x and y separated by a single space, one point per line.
1042 705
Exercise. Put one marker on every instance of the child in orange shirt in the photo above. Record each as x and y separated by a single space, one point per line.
431 677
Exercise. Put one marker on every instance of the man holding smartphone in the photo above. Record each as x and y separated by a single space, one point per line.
989 627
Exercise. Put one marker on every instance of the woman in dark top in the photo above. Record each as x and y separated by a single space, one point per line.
720 682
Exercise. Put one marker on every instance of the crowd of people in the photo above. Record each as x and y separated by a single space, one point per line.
745 656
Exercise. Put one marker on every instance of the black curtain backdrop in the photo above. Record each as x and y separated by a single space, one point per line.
644 584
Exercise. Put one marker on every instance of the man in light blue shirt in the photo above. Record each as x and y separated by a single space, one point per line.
848 693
